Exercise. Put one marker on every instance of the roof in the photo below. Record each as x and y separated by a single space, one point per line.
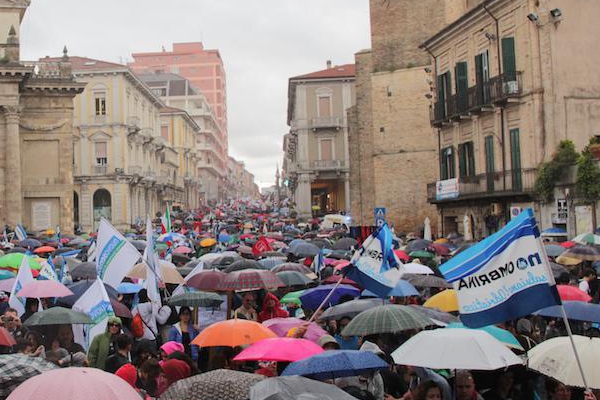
177 84
338 71
167 109
87 64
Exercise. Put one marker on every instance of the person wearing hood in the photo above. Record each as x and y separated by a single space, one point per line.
271 308
103 345
151 316
172 371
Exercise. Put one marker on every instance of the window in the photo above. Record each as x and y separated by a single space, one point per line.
326 149
160 91
482 77
324 106
174 69
444 91
462 85
466 160
192 70
509 63
164 132
515 159
447 164
489 162
100 103
101 153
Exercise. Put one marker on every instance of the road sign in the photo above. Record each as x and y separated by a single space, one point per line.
379 216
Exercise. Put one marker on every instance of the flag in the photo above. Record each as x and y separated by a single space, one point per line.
166 220
5 236
96 304
115 255
65 274
150 255
20 232
318 262
375 266
48 271
91 251
261 246
503 277
24 276
60 244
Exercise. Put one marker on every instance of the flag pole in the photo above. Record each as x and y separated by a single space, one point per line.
570 333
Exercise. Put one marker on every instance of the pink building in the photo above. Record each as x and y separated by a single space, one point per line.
203 68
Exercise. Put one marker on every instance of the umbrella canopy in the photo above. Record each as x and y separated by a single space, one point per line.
421 254
587 238
140 245
85 270
196 299
296 387
220 384
182 250
350 308
345 244
435 314
206 279
75 384
402 255
499 334
404 289
58 316
554 250
282 326
208 242
6 339
576 310
14 260
272 262
312 298
292 267
415 268
17 368
44 249
168 270
572 293
30 243
128 288
6 285
293 278
555 358
430 281
557 269
79 289
418 244
4 274
439 249
44 289
243 264
232 333
389 318
333 364
345 281
305 249
455 349
120 309
568 261
249 279
290 297
279 349
583 252
446 300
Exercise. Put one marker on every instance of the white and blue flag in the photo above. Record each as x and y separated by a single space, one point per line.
24 276
375 266
503 277
96 304
318 262
20 232
48 270
115 256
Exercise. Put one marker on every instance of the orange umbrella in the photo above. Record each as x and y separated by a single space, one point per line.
233 332
44 249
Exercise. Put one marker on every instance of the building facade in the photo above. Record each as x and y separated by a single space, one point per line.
36 115
512 79
316 159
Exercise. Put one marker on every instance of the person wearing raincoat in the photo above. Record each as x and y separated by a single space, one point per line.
271 309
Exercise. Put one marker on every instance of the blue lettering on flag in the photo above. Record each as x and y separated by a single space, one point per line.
109 251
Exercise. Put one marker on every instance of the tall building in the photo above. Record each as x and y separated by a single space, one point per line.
512 79
36 132
316 156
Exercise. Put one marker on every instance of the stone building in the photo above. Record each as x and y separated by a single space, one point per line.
36 115
316 155
392 146
512 79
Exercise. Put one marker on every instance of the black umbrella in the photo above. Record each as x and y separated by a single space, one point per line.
583 252
79 289
179 258
321 243
243 264
418 244
339 254
17 250
426 281
306 250
30 243
345 244
140 245
85 270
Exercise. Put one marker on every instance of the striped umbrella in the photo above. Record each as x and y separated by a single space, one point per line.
293 278
389 318
271 262
17 368
583 252
249 279
196 299
587 238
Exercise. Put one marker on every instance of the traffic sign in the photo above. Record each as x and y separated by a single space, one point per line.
379 216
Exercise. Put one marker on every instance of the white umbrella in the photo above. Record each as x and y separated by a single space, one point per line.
427 229
415 268
555 358
455 349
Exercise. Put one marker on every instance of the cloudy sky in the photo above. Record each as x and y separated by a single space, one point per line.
262 43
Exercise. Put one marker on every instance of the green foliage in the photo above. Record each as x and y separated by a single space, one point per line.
587 183
555 170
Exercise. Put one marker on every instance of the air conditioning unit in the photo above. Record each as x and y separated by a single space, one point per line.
496 208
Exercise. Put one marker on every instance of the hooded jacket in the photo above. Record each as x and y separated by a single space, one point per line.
100 347
275 312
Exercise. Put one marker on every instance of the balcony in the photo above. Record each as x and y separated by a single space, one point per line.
325 122
99 119
325 165
101 169
135 170
518 182
150 176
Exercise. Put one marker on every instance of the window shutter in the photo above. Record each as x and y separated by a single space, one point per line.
440 89
452 171
489 154
509 63
479 69
443 165
462 160
462 84
471 159
101 149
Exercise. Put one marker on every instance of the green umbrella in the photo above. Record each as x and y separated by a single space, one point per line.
292 297
421 254
161 246
58 316
196 299
389 318
293 278
14 260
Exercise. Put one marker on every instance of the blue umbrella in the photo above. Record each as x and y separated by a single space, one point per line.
502 335
554 231
576 310
224 238
402 289
336 364
128 288
554 250
312 298
271 262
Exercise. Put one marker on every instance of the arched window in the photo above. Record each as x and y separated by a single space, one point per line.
102 206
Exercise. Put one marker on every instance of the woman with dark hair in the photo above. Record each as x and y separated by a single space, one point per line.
184 332
428 390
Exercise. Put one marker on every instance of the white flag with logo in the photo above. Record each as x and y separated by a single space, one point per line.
115 256
96 304
24 276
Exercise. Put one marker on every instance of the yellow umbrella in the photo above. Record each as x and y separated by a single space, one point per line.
168 271
441 240
445 301
50 232
208 242
564 260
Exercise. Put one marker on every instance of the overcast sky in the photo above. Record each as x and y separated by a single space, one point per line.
262 43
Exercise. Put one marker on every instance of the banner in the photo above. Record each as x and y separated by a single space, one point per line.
48 270
115 256
96 304
261 246
503 277
166 221
153 269
24 276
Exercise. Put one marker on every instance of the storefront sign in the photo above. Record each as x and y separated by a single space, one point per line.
447 189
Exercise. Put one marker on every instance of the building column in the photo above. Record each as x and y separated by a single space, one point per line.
347 192
13 193
302 196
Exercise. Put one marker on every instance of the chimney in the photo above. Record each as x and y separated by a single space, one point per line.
328 64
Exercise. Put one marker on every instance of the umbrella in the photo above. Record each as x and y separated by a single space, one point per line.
120 309
557 269
421 254
305 250
30 243
128 288
445 300
6 285
568 292
500 334
17 250
85 270
44 289
247 250
339 278
281 327
455 349
272 262
402 256
279 349
431 281
404 289
555 358
232 333
140 245
291 297
6 339
58 316
435 314
350 308
569 261
208 242
220 384
17 368
439 249
243 264
567 244
206 279
333 364
44 249
587 238
389 318
14 260
576 310
345 244
418 245
249 279
296 388
79 289
415 268
554 250
292 267
583 252
312 298
196 299
293 278
182 250
75 383
168 270
4 274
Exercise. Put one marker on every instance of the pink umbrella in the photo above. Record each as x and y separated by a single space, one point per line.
7 284
182 250
75 384
281 327
279 349
42 289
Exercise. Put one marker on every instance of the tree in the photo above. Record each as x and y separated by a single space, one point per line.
555 170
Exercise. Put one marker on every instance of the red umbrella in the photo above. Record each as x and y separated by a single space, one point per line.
44 249
402 256
249 279
345 281
439 249
44 289
568 244
340 264
572 293
206 280
6 339
247 236
279 349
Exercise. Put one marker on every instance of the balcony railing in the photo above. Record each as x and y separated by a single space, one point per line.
327 164
512 182
135 170
100 119
101 169
326 122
